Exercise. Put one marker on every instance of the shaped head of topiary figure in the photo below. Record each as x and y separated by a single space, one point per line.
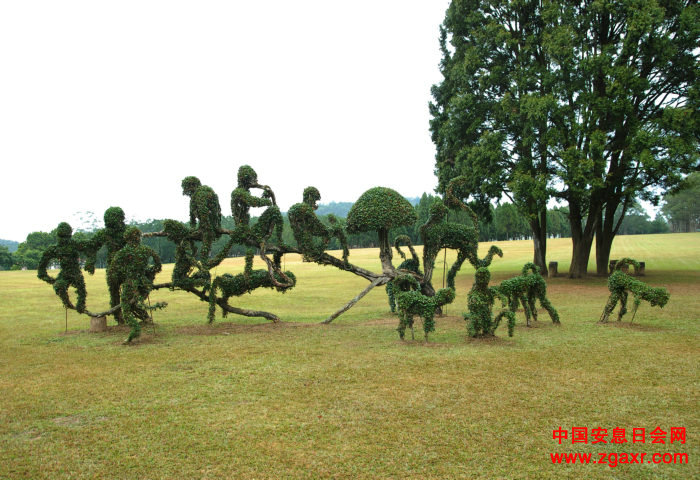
114 218
381 209
311 197
63 232
190 185
247 177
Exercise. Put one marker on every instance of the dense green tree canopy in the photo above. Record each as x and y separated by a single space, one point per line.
591 102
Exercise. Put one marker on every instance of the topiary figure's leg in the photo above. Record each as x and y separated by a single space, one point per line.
526 307
623 305
402 325
390 294
609 307
547 305
82 294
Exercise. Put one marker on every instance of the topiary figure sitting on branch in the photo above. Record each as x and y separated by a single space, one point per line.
67 252
410 302
621 284
306 226
480 301
526 289
131 270
241 203
205 212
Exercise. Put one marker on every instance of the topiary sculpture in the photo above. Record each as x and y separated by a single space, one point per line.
437 233
111 237
241 203
621 284
67 252
130 269
410 265
410 302
380 209
526 289
480 301
205 212
306 225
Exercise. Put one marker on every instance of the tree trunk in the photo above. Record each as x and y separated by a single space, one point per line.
606 230
539 238
581 238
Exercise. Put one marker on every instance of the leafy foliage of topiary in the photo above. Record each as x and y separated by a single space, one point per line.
130 269
480 302
67 253
112 238
526 289
410 302
306 226
205 212
621 284
409 264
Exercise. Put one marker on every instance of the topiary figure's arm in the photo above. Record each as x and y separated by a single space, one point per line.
49 254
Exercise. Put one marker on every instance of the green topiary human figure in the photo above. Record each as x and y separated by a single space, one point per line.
186 274
112 237
205 212
306 225
131 271
620 284
241 203
67 252
480 301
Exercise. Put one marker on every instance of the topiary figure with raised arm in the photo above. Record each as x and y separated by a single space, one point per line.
67 253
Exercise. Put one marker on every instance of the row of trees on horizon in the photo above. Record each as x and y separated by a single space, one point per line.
506 222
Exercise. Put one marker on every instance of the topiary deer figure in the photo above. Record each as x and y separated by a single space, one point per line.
621 284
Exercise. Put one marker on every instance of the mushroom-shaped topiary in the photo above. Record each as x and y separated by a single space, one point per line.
381 209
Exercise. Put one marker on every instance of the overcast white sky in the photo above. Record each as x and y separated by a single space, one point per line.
113 103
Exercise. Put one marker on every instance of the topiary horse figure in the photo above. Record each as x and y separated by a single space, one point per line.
526 289
621 284
410 301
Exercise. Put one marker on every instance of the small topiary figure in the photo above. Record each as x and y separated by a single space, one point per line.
410 302
111 237
130 269
380 209
187 273
621 284
526 289
205 212
306 225
67 252
236 285
480 301
408 265
241 203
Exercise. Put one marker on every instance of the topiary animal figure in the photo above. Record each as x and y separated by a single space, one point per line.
67 252
526 289
621 284
410 302
410 265
205 212
480 301
306 225
130 269
437 234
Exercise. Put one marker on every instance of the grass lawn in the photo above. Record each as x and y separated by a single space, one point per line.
246 398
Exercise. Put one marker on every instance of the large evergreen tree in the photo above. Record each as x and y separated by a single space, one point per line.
591 102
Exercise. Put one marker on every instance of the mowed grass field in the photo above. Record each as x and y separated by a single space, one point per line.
245 398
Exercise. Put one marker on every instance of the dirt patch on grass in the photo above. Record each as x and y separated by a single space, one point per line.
634 326
229 328
70 421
